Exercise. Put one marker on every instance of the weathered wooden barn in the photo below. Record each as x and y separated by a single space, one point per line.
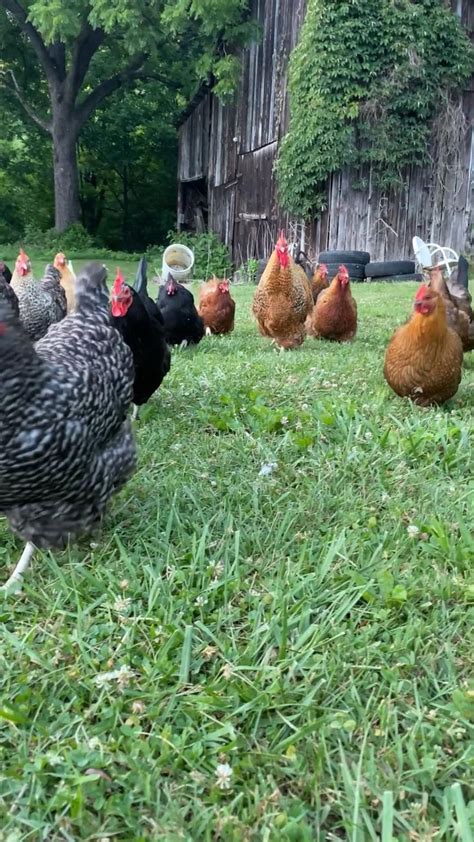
227 153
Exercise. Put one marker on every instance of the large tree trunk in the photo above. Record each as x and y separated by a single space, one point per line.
66 173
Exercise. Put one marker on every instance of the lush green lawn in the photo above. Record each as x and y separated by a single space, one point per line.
309 626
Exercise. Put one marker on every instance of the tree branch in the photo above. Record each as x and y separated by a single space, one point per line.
20 15
43 124
107 87
86 44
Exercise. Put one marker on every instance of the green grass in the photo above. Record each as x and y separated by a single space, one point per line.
286 624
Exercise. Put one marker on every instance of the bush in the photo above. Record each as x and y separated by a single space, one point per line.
211 256
75 238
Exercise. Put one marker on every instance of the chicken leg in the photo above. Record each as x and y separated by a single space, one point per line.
135 412
21 567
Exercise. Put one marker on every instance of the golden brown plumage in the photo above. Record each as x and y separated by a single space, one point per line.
424 357
68 280
282 299
216 307
335 312
320 280
458 311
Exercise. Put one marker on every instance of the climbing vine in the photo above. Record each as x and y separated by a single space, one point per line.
366 81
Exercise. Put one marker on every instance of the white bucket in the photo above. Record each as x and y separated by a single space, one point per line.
178 261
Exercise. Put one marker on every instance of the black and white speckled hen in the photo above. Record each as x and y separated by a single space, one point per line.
4 270
140 323
183 324
7 294
65 441
37 301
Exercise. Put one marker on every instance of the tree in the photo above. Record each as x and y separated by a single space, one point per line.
78 54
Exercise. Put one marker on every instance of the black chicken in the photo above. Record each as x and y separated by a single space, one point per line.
140 324
183 324
4 270
65 441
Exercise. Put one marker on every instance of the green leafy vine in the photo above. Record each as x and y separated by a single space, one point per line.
366 81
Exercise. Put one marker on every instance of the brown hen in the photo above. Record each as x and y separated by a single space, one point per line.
320 280
459 314
335 312
424 357
283 299
216 307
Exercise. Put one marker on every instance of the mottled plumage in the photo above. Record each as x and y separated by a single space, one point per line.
51 283
38 303
424 357
65 441
7 294
4 270
182 322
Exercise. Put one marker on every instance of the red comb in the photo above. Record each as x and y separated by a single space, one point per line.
422 291
282 239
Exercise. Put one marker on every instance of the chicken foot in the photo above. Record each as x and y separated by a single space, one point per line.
135 412
208 331
21 568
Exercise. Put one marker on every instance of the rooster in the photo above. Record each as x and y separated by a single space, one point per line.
183 324
38 302
424 357
65 441
216 307
319 281
335 312
140 323
283 299
457 301
68 279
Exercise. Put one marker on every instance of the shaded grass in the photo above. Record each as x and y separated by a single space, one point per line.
284 623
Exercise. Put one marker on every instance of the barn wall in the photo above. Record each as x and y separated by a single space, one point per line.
234 147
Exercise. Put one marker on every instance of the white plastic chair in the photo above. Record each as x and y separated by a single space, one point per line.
424 253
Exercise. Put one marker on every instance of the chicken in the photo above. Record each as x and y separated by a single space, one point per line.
38 302
65 441
283 299
319 281
68 279
183 324
4 270
7 294
141 326
457 304
51 283
335 312
424 357
216 307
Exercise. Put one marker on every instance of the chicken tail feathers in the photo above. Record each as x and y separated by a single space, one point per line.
91 289
140 285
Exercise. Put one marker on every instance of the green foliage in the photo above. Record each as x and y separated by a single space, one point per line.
211 256
75 238
366 80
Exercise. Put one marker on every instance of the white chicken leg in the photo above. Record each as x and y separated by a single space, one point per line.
21 567
208 331
184 344
135 412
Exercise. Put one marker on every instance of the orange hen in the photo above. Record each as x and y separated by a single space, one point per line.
335 312
283 299
216 306
424 357
68 280
320 281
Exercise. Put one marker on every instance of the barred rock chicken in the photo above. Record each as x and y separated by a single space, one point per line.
68 279
4 270
183 324
65 441
51 283
216 307
7 294
335 312
424 357
39 302
141 326
457 301
319 281
283 299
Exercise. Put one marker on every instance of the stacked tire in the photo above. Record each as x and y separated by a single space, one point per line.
392 270
354 261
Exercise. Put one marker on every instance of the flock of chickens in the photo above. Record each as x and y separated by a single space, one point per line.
75 357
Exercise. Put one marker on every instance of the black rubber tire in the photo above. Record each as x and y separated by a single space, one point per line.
344 257
356 270
389 268
417 276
